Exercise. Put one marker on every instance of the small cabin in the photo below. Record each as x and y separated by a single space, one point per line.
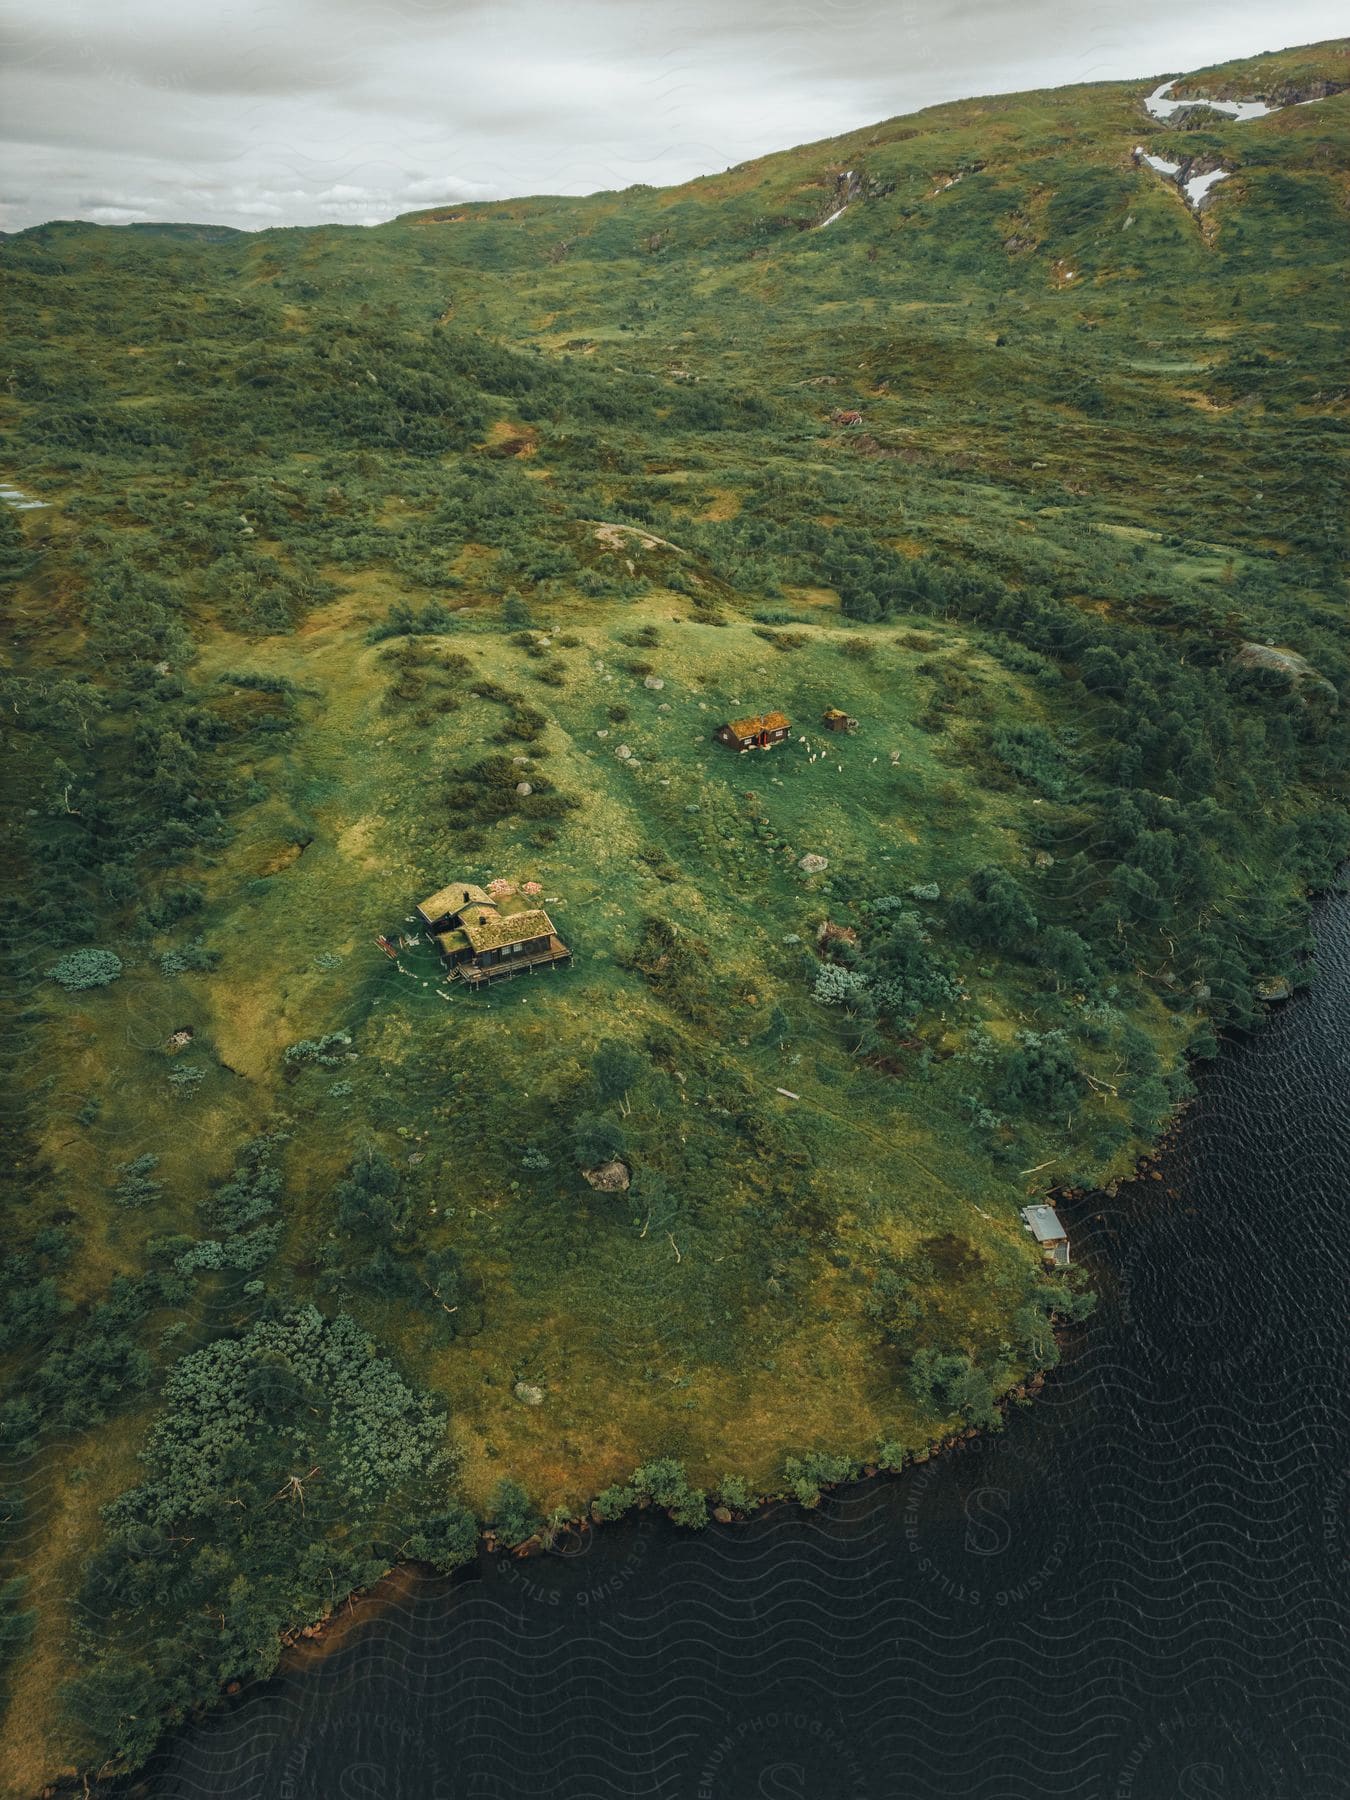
759 732
480 942
834 720
440 911
1043 1222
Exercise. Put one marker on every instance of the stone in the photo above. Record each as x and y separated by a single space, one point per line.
1274 987
1284 662
813 864
602 733
653 681
523 787
723 1515
610 1177
528 1394
623 752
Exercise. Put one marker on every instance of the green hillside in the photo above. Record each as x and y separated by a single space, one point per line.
369 560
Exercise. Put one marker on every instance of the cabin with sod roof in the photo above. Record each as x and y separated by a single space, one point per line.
483 940
759 732
438 913
835 720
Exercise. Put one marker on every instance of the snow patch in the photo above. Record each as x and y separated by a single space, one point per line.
16 498
1159 106
1199 185
837 214
1194 190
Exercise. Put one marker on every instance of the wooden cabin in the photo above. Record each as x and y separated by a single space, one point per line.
759 732
1043 1223
834 720
443 908
481 943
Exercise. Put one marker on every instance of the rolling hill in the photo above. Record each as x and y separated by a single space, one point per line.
339 564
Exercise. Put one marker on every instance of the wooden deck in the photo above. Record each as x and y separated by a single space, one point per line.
556 953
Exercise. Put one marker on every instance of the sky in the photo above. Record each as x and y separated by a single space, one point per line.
256 113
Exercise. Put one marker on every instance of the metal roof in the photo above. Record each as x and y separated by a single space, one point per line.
1043 1222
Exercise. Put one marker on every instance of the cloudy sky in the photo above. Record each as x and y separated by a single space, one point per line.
284 112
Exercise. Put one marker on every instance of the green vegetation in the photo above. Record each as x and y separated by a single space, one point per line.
377 559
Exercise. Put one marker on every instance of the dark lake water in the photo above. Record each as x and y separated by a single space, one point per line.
1138 1591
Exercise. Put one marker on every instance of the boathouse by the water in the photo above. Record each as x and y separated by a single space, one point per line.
1043 1222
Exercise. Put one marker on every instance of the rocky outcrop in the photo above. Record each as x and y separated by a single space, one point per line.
609 1178
1288 663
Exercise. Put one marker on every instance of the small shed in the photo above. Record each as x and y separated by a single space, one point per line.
835 720
760 731
1043 1222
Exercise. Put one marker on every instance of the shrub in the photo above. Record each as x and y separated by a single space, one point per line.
328 1051
948 1382
1040 1077
188 958
135 1186
86 969
837 986
511 1513
807 1475
596 1138
736 1493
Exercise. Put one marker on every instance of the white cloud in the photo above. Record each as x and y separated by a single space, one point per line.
445 187
337 109
116 215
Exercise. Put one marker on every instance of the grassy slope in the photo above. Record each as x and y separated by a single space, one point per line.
961 319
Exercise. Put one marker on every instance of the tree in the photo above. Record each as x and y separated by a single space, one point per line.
445 1539
949 1382
1040 1077
596 1138
992 909
511 1513
616 1069
368 1198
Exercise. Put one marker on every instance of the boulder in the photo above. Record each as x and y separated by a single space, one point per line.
653 681
1284 662
1274 987
528 1394
611 1177
813 864
523 787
